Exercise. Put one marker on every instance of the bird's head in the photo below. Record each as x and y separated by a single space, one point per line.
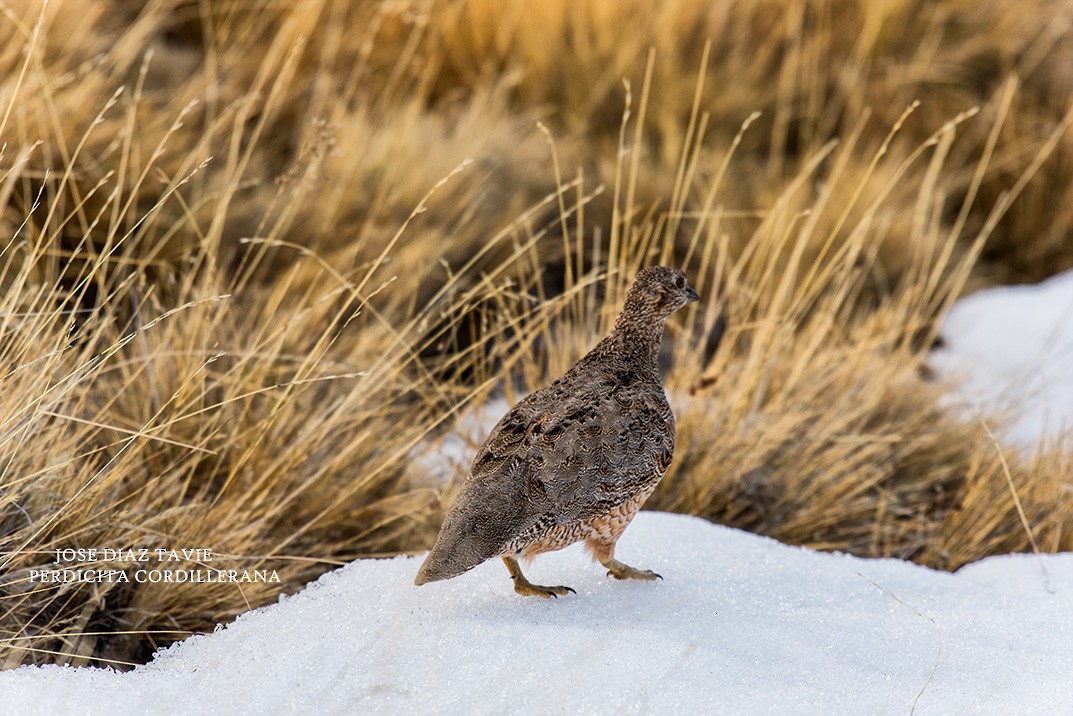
657 292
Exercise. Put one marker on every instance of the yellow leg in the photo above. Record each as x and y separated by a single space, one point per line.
604 552
618 570
526 588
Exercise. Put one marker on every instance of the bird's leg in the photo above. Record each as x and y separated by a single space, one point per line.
526 588
618 570
604 552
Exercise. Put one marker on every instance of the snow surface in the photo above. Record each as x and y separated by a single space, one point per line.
741 624
1010 350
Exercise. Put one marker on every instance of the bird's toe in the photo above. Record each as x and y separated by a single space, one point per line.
536 590
618 570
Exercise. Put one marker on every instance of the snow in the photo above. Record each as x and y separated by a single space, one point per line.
741 624
1010 350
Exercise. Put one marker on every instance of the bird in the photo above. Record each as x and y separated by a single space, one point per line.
575 460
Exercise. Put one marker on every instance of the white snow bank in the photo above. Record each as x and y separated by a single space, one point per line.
1010 349
742 624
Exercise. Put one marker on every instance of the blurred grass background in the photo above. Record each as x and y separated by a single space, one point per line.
257 255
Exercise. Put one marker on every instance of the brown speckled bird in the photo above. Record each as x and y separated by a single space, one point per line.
575 460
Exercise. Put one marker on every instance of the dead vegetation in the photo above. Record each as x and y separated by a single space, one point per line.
255 253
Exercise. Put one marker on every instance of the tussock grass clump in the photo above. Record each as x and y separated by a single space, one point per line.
254 257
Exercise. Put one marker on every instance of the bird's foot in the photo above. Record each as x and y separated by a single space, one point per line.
618 570
527 589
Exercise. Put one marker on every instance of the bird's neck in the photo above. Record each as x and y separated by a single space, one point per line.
636 341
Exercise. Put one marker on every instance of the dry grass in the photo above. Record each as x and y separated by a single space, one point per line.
254 253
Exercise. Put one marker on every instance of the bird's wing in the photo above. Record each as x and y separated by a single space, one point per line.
606 450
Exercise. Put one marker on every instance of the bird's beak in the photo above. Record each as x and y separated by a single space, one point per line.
691 295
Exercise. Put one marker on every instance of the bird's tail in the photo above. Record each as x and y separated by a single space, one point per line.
456 551
438 566
428 572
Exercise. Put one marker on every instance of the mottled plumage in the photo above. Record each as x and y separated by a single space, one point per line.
575 460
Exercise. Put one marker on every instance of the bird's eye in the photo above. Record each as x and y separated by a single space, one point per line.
680 282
